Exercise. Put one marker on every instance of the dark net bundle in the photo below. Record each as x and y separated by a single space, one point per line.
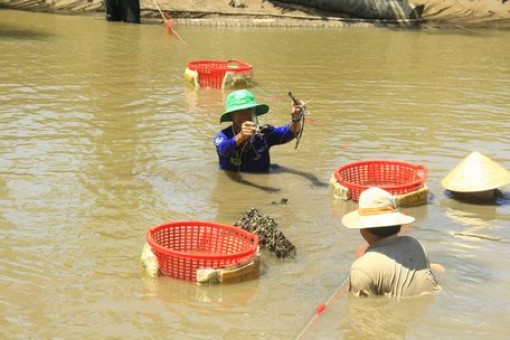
265 227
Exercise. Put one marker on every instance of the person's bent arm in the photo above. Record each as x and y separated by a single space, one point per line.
361 284
225 146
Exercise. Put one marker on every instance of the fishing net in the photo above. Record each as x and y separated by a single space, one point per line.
265 227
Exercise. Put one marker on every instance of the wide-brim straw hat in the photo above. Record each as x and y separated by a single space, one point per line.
377 208
476 173
241 100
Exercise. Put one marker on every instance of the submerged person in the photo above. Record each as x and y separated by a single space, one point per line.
392 265
244 145
476 177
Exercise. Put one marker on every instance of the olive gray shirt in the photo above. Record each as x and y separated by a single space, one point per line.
395 266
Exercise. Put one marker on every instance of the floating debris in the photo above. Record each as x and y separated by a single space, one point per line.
149 261
480 236
265 227
282 201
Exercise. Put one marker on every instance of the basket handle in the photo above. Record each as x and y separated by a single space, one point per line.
423 170
235 63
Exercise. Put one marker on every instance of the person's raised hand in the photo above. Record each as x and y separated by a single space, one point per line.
297 113
247 131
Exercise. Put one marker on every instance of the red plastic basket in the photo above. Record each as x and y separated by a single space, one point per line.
212 72
182 247
396 177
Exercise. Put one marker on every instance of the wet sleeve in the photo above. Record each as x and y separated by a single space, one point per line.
225 146
360 283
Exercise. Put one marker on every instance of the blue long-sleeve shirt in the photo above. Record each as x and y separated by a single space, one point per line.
253 156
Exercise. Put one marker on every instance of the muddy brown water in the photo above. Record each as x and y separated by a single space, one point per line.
101 139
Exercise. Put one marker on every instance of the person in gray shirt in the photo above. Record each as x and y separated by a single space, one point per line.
392 265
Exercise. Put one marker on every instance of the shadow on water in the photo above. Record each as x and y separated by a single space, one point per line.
474 221
276 169
316 182
237 177
14 33
499 198
503 198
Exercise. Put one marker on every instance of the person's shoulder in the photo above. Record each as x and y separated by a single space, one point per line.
226 132
412 244
368 260
409 239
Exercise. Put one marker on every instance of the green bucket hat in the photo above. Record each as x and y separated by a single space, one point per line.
241 100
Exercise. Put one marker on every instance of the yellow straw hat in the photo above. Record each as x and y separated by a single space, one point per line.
476 173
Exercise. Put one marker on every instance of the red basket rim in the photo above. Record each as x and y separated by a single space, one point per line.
338 173
194 65
184 255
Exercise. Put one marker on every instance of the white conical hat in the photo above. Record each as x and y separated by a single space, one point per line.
476 173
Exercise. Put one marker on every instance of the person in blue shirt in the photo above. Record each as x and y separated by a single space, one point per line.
244 145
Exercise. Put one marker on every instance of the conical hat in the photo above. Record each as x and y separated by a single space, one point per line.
476 173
